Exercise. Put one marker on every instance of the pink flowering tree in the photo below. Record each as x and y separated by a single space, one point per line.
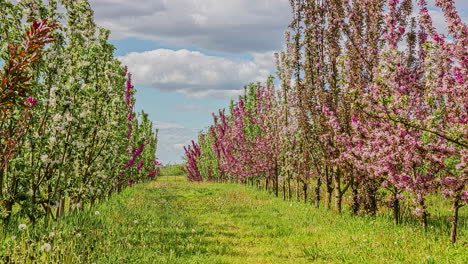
192 153
372 100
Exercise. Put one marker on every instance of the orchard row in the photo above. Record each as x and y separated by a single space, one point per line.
69 135
372 102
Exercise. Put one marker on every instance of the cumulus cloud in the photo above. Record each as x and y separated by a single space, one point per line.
265 59
193 73
171 142
222 25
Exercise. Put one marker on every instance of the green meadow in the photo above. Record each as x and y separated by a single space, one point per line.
174 221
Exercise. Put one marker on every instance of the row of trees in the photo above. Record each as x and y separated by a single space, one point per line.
372 100
69 135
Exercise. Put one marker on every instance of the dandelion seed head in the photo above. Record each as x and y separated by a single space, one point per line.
46 247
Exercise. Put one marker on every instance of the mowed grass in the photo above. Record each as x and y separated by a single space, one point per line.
173 221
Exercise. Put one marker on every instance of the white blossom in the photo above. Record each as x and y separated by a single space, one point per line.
45 158
57 118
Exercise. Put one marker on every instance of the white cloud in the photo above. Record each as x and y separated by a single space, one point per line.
221 25
166 125
171 142
265 59
193 73
213 93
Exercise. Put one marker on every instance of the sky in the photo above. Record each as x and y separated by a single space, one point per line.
189 58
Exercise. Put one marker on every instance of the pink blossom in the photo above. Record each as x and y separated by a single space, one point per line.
32 100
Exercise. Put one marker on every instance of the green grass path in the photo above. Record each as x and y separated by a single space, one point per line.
180 222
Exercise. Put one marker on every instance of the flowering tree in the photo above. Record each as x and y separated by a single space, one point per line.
14 106
372 100
193 153
75 140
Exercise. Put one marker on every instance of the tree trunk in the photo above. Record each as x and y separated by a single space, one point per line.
317 192
424 214
396 209
61 207
1 183
276 180
370 199
329 197
329 187
355 191
453 231
8 205
339 201
304 188
284 190
340 192
297 190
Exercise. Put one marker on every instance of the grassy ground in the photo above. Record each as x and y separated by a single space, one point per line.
172 221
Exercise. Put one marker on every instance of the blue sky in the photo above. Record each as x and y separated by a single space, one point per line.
191 57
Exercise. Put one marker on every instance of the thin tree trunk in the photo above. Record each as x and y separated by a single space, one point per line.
1 183
370 199
424 214
339 201
396 209
297 190
61 207
453 231
355 191
317 192
340 192
276 180
284 190
8 205
329 197
329 185
304 188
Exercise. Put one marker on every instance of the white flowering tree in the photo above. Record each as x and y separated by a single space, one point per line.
77 144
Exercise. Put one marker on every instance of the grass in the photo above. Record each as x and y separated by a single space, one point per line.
173 221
